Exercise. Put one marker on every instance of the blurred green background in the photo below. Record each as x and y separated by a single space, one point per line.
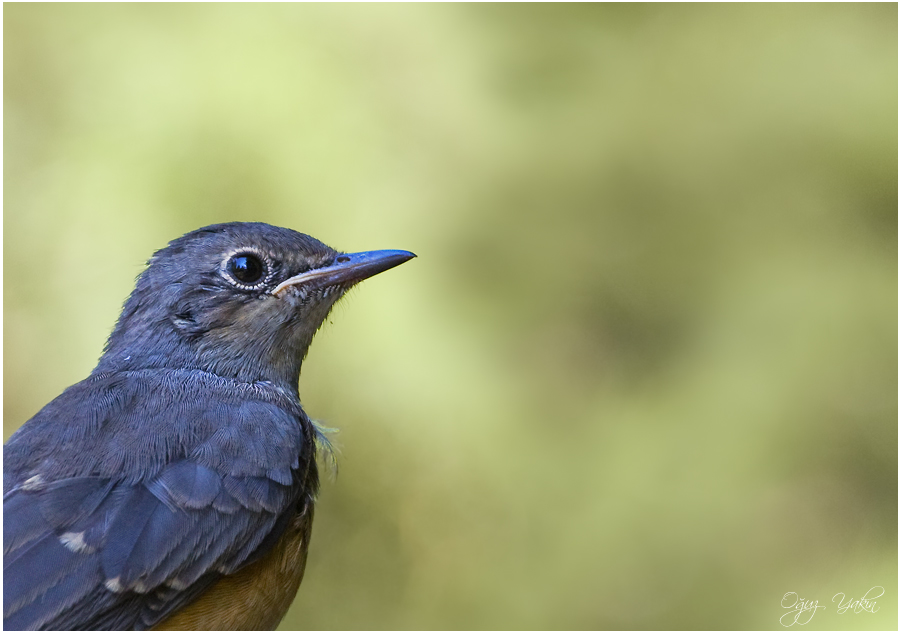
643 373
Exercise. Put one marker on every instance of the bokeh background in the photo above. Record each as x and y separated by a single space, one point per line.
643 373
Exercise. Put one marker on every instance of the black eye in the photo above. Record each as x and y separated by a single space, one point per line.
246 268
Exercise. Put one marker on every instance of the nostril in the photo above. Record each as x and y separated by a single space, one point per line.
342 259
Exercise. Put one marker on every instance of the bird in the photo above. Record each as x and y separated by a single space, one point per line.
174 487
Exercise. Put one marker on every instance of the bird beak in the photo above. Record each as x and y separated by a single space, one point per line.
347 269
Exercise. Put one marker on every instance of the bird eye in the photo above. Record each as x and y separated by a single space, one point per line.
246 268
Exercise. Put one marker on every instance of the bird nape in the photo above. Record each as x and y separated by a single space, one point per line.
173 488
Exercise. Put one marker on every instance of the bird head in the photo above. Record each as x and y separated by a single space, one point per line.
241 300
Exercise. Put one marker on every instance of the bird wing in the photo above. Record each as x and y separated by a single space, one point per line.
124 549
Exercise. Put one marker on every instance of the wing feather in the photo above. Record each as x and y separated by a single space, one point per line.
89 547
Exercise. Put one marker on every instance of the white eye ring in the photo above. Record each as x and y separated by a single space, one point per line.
247 268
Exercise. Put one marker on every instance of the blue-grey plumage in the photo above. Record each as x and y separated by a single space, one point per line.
184 462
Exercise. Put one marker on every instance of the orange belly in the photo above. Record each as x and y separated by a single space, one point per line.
257 596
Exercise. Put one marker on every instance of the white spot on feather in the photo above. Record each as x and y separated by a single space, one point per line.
74 542
177 585
33 483
114 585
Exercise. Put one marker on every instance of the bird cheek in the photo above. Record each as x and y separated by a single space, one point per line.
294 296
